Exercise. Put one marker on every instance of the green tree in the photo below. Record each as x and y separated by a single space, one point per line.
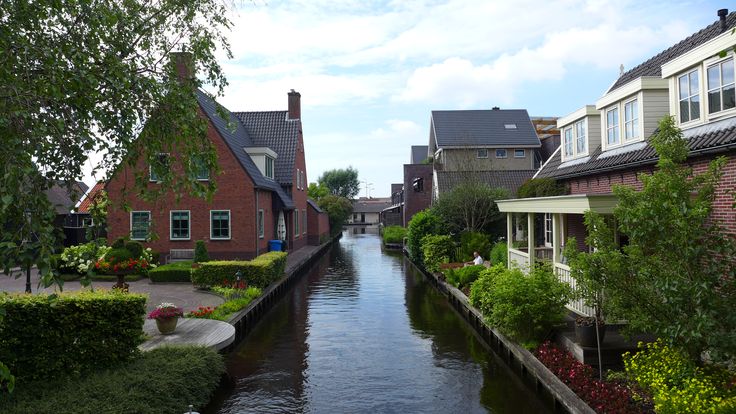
338 209
317 191
81 77
341 182
422 224
470 206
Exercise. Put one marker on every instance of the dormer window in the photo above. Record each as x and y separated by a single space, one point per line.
568 142
631 120
689 96
509 126
721 86
581 138
612 130
269 167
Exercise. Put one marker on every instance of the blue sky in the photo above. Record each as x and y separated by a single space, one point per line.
370 72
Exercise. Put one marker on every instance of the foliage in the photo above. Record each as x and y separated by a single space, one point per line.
338 210
677 384
78 78
80 258
119 243
540 187
48 336
436 249
317 191
164 380
200 252
422 224
394 234
601 396
202 312
132 258
341 182
472 241
480 290
236 303
166 310
463 277
7 379
470 206
259 272
172 272
98 212
499 254
135 248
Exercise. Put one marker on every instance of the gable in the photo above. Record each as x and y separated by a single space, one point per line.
274 130
484 128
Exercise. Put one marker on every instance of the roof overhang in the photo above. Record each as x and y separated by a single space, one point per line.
570 204
697 55
631 88
480 146
587 110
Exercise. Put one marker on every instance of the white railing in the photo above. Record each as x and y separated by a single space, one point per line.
518 259
578 306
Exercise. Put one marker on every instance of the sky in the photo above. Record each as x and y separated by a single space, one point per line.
371 72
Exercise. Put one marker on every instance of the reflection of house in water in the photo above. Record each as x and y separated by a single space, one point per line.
359 229
367 211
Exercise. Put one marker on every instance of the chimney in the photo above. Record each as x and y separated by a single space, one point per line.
722 13
184 64
495 108
295 105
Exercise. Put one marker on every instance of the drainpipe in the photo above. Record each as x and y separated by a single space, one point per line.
258 241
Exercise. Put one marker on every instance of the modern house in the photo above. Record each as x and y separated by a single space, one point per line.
261 191
608 143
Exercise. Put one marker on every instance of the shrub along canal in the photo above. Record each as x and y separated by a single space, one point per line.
363 331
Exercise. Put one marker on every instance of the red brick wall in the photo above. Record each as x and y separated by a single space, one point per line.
415 202
318 225
299 196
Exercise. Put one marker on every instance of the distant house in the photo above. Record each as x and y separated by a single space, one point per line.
366 211
67 220
420 154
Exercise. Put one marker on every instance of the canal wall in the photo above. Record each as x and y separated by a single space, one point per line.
521 361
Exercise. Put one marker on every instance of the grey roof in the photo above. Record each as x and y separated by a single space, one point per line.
470 128
653 66
237 139
710 138
314 205
373 206
419 153
510 180
59 196
272 129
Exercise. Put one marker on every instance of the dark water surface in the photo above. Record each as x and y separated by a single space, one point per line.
364 332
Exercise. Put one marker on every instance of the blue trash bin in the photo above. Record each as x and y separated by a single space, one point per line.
274 245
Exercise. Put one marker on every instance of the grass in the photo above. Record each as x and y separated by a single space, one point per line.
165 380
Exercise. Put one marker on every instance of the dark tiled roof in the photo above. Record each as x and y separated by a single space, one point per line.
419 153
272 129
510 180
237 138
372 206
314 205
483 128
712 137
653 66
59 196
87 201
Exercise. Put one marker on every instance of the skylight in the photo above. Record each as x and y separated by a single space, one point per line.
509 126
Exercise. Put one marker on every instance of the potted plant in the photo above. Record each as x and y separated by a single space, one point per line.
166 316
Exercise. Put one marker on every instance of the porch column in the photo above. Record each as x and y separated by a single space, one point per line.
556 238
530 238
509 236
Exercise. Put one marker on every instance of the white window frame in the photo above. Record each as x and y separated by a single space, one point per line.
296 223
229 225
195 161
636 125
616 128
150 170
505 153
720 88
568 146
171 225
690 96
548 235
265 167
148 232
581 125
304 221
480 151
523 153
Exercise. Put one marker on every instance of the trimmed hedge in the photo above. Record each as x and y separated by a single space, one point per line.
50 336
259 272
164 380
172 272
394 234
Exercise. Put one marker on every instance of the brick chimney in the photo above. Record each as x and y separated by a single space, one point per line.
295 105
184 64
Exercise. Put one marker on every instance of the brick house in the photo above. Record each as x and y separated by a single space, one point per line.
261 191
607 143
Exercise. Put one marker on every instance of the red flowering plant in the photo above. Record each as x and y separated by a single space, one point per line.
204 312
109 265
166 311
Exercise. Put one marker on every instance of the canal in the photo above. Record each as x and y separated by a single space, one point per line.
364 332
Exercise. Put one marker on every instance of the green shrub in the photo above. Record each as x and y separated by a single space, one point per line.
48 336
422 224
118 255
119 243
394 234
463 277
259 272
436 250
172 272
200 252
164 380
472 241
78 259
480 291
135 248
499 254
155 257
235 304
540 187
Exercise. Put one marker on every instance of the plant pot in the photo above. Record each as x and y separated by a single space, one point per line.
585 333
167 326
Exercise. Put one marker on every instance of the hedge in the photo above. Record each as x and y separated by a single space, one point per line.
164 380
49 336
394 234
259 272
172 272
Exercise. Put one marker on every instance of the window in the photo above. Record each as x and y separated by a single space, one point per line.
689 96
568 142
296 222
304 221
580 137
180 225
200 168
140 223
548 229
220 224
269 167
87 222
160 163
631 120
612 126
261 225
500 153
509 126
418 185
519 153
482 153
721 86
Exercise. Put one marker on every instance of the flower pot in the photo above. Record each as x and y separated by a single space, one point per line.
166 325
585 333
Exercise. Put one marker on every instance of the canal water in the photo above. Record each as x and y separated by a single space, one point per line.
364 332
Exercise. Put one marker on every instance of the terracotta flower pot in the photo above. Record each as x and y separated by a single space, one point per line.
166 325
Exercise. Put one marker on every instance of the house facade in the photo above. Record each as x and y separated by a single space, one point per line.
606 144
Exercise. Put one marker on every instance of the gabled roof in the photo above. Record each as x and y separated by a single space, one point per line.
653 66
371 206
510 180
473 128
87 200
709 138
272 129
419 153
314 205
237 139
58 195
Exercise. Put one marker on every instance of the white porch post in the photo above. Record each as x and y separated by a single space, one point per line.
509 236
530 239
556 238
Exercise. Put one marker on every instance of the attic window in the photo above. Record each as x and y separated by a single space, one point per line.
509 126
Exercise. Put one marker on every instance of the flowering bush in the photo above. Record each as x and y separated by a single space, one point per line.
81 257
120 261
166 310
204 312
601 396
